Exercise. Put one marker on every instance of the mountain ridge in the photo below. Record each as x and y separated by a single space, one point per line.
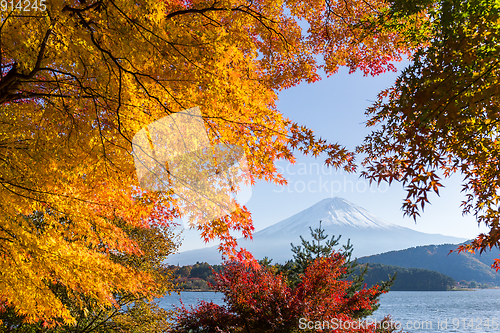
368 234
460 266
333 212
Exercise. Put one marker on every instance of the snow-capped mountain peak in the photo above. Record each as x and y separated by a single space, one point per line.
333 212
367 233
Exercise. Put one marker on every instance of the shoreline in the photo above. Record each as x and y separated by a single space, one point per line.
451 289
196 290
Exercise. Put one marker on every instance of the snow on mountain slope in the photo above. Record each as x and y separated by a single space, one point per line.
368 234
334 212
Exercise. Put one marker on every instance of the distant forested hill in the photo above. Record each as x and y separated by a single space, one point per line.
408 279
197 277
460 266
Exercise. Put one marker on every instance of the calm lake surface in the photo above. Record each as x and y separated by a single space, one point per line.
415 311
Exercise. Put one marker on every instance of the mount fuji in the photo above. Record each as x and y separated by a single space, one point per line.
367 233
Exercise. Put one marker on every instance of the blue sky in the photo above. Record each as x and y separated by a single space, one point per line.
334 108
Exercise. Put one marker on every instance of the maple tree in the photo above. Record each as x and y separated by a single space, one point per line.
265 298
319 247
80 78
441 116
133 313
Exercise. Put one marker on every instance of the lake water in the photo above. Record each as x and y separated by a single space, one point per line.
416 311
